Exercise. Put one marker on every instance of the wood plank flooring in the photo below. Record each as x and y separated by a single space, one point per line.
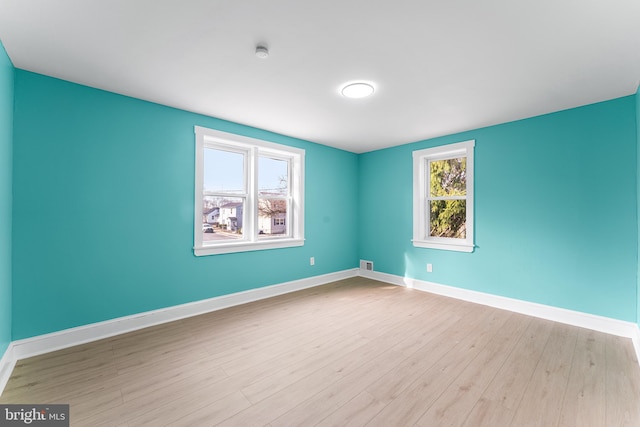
352 353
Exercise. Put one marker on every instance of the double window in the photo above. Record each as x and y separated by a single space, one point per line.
249 194
443 197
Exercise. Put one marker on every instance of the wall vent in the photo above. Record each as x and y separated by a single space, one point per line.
366 265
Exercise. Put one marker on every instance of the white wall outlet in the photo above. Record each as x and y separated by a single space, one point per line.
312 261
429 268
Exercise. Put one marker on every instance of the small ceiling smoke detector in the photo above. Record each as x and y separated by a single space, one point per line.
357 90
262 52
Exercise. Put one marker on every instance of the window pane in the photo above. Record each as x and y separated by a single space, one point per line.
448 177
223 171
448 218
273 177
222 218
272 218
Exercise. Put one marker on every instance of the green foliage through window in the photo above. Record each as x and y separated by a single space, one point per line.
447 198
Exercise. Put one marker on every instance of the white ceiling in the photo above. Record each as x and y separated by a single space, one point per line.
439 66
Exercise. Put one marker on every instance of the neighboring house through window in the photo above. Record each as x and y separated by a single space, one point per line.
211 215
443 197
253 189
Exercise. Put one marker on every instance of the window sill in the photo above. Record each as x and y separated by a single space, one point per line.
447 246
229 248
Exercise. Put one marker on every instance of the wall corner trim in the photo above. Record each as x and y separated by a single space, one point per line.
636 342
7 362
46 343
555 314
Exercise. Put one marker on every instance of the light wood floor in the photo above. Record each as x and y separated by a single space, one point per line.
355 352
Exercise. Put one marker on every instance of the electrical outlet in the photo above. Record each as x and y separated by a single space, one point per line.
429 268
312 261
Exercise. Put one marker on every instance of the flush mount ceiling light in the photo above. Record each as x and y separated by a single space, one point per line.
357 90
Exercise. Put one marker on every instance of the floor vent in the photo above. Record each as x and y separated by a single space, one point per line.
366 265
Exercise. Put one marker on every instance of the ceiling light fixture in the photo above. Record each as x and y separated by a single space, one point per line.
357 90
262 52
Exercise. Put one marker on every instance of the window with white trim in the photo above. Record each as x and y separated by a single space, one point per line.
443 197
249 194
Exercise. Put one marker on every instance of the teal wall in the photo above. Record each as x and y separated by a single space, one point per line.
103 212
555 211
638 197
6 144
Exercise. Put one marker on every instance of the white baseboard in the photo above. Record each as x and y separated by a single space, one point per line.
570 317
636 342
83 334
7 362
41 344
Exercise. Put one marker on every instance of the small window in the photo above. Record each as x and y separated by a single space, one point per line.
443 197
252 184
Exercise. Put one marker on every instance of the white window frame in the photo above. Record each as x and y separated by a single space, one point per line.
421 211
253 148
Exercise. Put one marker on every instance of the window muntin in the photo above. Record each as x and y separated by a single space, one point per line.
249 194
443 197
